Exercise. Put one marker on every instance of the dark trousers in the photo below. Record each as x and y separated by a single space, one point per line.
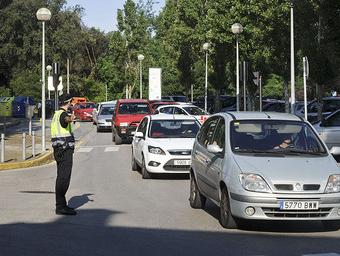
64 158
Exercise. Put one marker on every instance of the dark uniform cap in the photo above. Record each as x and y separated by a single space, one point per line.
64 99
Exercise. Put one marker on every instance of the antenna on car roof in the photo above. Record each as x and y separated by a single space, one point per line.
269 117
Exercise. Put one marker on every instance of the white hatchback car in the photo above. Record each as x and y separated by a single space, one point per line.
163 144
183 109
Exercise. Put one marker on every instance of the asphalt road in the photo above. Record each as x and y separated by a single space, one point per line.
121 214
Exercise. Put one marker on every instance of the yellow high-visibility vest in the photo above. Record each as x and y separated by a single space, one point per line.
57 131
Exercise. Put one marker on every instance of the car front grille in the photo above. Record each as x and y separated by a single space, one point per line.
176 167
275 212
108 120
290 187
180 152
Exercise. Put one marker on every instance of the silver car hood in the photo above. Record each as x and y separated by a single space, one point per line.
289 169
173 143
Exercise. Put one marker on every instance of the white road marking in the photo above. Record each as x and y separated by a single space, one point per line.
85 150
322 254
111 149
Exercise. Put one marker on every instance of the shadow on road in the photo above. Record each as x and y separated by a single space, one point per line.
78 201
89 233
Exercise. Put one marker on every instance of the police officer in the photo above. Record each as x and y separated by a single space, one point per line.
63 147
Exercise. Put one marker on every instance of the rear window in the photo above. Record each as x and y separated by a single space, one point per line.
86 105
134 108
331 105
195 111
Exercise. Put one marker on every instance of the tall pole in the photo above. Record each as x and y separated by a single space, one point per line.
106 91
260 83
140 80
292 62
43 114
305 74
192 93
68 76
237 77
49 92
244 87
206 82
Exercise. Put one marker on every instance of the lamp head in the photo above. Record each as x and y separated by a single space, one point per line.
206 46
140 57
237 28
44 14
49 68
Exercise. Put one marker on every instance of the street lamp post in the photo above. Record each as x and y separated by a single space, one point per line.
292 61
49 69
206 48
43 15
140 58
237 29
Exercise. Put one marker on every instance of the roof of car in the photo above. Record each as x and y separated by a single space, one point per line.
171 117
177 105
133 101
247 115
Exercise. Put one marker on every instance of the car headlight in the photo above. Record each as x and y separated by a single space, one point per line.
254 182
123 124
156 150
333 184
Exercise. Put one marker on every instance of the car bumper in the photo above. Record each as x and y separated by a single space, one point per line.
267 207
167 163
104 125
126 132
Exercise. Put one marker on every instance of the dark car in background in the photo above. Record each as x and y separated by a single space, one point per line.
176 98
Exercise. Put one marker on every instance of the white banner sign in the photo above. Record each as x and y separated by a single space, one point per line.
155 83
50 83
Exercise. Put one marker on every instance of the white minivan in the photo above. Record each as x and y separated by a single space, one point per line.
264 166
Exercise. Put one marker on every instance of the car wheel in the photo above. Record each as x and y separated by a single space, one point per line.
113 136
196 199
145 173
226 218
134 165
118 140
98 130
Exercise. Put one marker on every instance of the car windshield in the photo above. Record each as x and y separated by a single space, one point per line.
107 110
134 108
173 129
86 105
195 111
276 137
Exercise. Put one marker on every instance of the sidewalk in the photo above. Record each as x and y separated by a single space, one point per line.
14 144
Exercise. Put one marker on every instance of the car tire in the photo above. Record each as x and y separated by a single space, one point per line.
145 173
226 218
98 129
118 140
134 165
196 199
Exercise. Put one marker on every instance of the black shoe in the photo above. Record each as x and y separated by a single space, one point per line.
65 211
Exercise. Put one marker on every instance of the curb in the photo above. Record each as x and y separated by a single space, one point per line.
39 161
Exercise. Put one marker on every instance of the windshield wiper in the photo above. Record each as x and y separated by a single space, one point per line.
298 151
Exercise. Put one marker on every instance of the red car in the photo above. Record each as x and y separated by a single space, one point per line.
126 117
83 111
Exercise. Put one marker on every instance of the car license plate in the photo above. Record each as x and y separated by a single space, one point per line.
299 205
182 162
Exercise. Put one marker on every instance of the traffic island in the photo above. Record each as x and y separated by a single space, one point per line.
40 160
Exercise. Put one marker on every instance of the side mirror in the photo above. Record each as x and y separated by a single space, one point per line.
215 149
139 135
335 151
